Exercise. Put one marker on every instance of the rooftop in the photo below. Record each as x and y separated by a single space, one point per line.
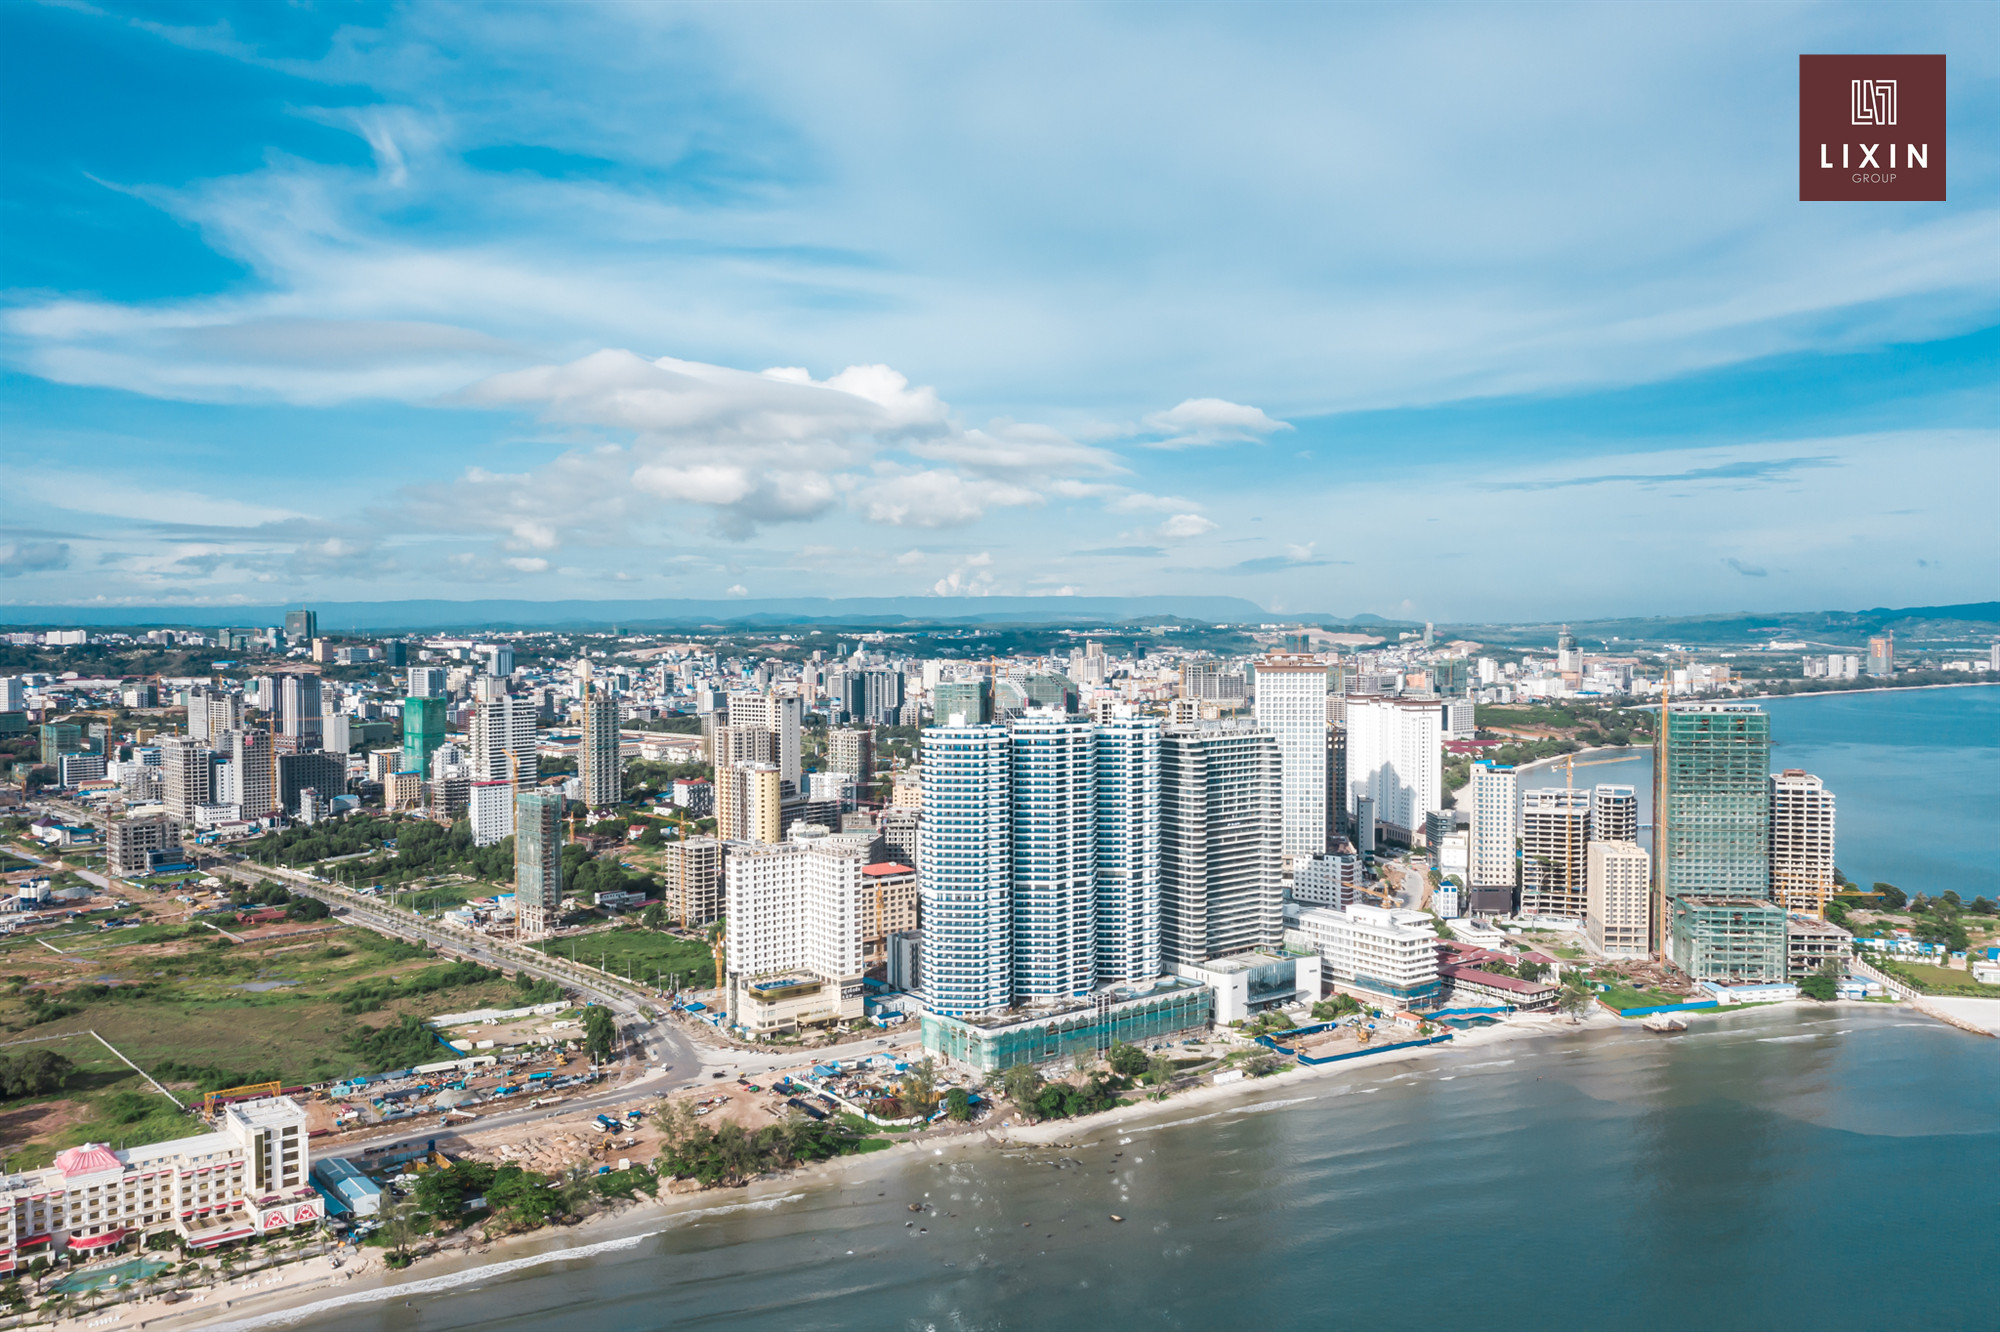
267 1112
1237 962
886 867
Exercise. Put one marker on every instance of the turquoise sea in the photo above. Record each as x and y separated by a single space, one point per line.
1915 774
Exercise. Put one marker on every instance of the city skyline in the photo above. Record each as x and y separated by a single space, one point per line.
422 303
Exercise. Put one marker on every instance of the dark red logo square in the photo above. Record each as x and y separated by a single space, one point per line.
1871 127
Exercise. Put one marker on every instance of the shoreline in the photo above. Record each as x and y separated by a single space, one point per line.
288 1295
1876 689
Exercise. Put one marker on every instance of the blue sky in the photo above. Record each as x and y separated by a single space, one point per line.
1452 312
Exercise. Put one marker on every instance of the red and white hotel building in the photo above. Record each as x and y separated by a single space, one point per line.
246 1178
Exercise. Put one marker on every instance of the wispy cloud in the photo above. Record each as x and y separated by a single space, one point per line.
1752 471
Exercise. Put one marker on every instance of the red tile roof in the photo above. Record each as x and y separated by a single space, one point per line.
887 867
1477 977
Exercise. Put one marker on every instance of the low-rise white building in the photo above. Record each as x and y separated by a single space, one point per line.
1246 984
248 1177
1385 952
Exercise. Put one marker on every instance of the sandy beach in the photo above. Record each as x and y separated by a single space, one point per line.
314 1288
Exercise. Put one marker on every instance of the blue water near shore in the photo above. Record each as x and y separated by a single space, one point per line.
1915 775
1777 1168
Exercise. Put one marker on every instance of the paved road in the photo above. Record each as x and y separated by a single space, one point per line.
659 1042
88 876
662 1055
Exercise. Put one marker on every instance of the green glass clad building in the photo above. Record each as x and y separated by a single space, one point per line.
1716 840
423 733
1718 805
971 698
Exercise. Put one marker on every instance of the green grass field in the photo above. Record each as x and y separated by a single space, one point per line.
1942 980
1623 997
174 1000
646 952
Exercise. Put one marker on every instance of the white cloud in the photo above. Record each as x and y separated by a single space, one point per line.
1199 422
1185 527
935 498
528 564
760 448
973 577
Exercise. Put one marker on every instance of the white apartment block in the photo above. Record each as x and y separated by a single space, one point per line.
795 906
1495 797
246 1178
965 870
777 713
490 809
1053 774
1291 705
1395 755
1618 885
501 739
1388 952
1128 849
1801 841
187 776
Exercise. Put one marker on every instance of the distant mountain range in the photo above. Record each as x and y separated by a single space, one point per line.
394 616
1914 622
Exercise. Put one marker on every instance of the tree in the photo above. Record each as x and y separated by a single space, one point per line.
1575 1002
1823 984
918 1091
443 1193
600 1032
1892 897
1022 1084
957 1105
1530 971
1127 1061
1339 1006
396 1214
523 1197
654 917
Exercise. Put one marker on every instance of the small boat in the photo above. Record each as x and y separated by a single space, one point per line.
1116 1217
1665 1023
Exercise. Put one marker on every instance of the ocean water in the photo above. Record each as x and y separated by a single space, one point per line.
1915 775
1775 1168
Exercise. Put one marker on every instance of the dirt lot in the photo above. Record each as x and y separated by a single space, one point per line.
1321 1044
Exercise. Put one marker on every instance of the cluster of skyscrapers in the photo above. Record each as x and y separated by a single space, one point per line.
1736 849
